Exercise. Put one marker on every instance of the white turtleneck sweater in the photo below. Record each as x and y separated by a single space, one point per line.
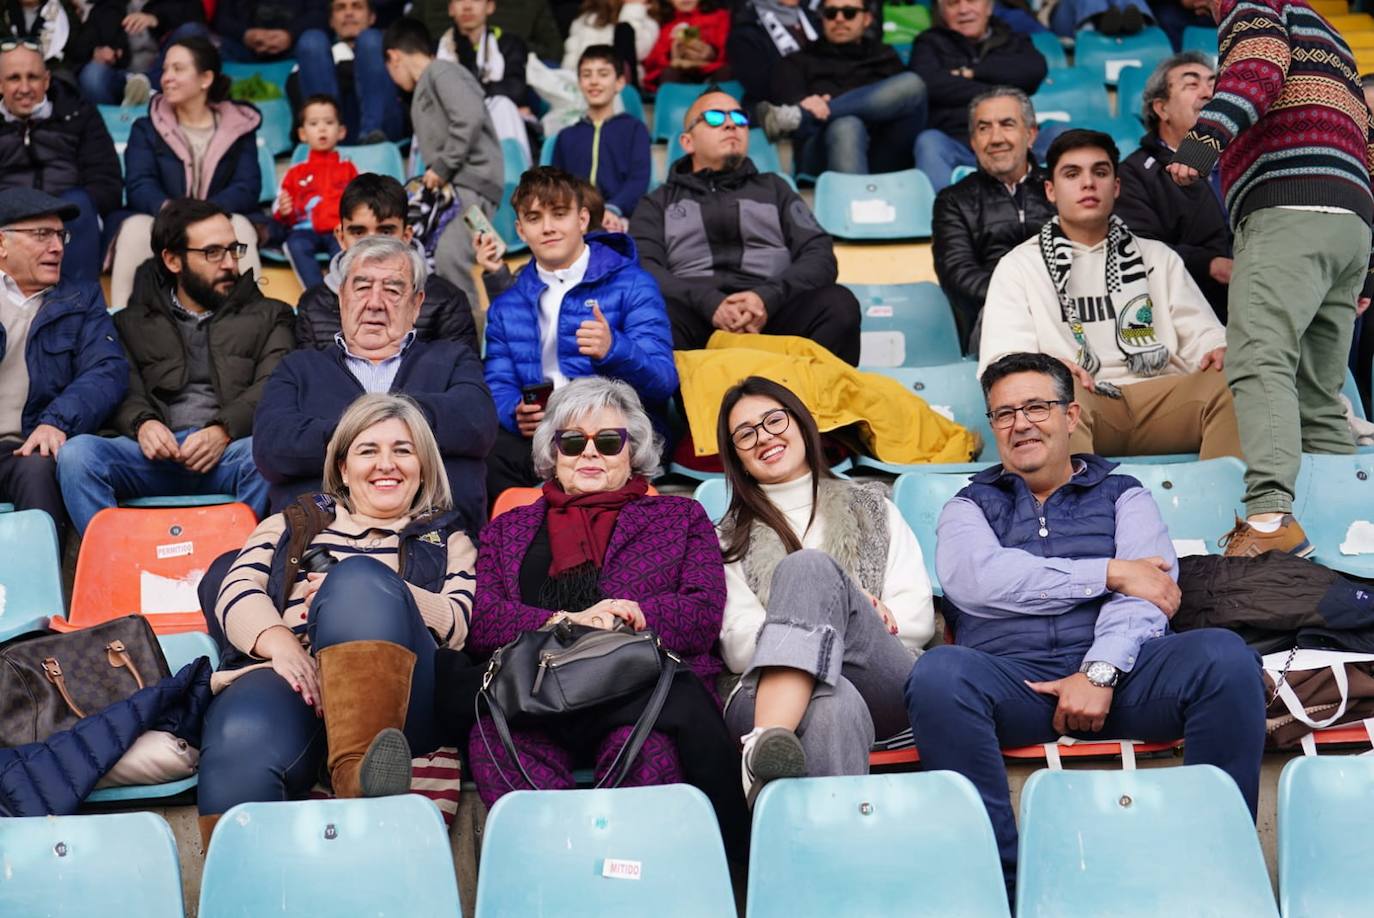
906 588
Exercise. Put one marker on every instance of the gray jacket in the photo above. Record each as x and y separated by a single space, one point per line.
456 136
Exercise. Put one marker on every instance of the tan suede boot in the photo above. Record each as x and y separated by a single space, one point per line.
207 828
365 686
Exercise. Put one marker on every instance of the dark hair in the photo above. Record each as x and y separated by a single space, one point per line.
1081 139
600 53
595 203
1026 362
550 185
666 13
171 224
206 58
319 98
381 194
748 503
409 36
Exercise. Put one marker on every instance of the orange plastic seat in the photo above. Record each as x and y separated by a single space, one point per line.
912 756
523 497
150 561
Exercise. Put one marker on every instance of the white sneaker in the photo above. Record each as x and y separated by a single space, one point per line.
779 120
770 753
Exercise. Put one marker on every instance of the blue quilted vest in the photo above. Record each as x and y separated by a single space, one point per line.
1078 521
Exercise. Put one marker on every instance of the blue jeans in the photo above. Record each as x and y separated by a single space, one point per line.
371 103
301 247
1068 16
1203 686
102 84
938 154
82 260
98 472
262 742
881 116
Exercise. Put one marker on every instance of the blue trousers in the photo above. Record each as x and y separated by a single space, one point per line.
301 247
938 154
82 260
371 103
865 122
262 742
1068 16
1203 685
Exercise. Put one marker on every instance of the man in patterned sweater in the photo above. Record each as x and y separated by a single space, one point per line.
1289 123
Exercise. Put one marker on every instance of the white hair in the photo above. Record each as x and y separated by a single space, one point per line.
580 398
373 249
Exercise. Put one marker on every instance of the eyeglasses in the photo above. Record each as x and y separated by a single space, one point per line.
835 12
775 422
715 117
215 253
1035 412
608 441
10 44
44 234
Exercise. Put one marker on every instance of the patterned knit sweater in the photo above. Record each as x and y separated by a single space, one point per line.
1287 119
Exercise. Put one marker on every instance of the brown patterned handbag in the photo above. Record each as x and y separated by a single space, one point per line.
48 683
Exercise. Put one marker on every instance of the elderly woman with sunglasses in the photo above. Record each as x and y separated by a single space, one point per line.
599 550
828 600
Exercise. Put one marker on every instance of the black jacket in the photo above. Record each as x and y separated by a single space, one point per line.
248 337
1004 58
975 223
104 27
71 149
752 55
824 68
514 51
445 315
1188 220
235 17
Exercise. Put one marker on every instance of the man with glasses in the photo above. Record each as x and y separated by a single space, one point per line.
764 266
202 341
53 140
1145 350
376 350
848 101
62 370
1059 584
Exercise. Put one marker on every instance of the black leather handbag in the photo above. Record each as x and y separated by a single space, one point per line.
569 667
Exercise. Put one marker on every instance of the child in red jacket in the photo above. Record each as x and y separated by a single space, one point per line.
308 202
690 46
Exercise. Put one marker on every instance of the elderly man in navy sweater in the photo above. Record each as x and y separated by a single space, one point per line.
1059 581
377 351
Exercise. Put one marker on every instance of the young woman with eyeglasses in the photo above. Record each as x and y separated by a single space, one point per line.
828 603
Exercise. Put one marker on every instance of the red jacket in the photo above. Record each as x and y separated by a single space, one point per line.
715 29
315 187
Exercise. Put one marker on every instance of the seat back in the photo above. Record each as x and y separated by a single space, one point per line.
673 101
953 390
30 572
267 165
1104 56
546 151
1351 390
383 856
887 205
1198 500
764 154
633 102
1070 96
874 845
714 496
920 497
151 560
1130 94
1157 841
1047 43
515 160
1325 807
382 158
628 851
511 498
89 866
1204 39
277 129
905 325
119 120
1334 501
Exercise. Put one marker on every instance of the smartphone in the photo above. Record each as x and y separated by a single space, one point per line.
537 393
690 33
477 222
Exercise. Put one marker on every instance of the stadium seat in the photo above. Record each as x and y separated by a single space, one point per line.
119 120
1124 131
382 158
546 151
1047 43
764 154
515 160
1103 56
905 325
954 388
90 866
673 101
1324 847
622 852
30 572
1158 841
149 561
920 498
274 72
888 205
714 497
267 165
383 856
959 173
1334 501
1201 38
916 843
1351 22
1130 93
179 500
1198 500
633 103
277 129
1071 96
1351 390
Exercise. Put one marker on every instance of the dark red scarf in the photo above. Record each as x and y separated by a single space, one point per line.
580 525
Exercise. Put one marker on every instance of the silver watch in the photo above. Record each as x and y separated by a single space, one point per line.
1101 674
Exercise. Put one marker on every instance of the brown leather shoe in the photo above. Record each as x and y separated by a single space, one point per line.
1245 541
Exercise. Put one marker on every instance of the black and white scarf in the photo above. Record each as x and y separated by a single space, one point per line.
1127 289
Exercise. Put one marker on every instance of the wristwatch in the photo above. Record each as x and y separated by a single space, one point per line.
1101 674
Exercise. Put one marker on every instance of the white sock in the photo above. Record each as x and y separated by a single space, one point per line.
1266 526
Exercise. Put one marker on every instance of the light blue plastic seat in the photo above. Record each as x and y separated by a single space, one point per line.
674 468
573 852
1124 131
1103 56
1069 96
919 498
267 165
1351 390
89 866
959 173
905 325
1201 38
546 151
515 160
30 573
6 508
380 856
1325 808
1334 499
952 386
274 72
714 497
670 107
1197 500
887 205
1158 841
277 128
119 120
1130 93
1050 48
633 102
916 843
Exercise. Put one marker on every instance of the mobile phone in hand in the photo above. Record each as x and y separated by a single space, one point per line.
478 223
537 393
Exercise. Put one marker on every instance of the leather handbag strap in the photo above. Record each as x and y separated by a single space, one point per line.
118 656
53 670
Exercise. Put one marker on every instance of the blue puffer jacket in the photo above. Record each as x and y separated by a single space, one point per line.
641 340
77 371
157 160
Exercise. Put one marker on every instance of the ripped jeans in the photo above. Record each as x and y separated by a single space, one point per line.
820 622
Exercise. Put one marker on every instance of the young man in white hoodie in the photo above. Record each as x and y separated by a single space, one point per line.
1144 347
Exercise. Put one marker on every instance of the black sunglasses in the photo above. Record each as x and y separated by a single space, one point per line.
608 441
835 12
715 117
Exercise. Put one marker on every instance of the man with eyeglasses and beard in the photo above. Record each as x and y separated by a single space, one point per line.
763 266
202 342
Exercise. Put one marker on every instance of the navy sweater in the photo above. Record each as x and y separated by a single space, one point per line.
621 165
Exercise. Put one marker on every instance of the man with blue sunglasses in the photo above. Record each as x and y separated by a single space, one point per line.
736 249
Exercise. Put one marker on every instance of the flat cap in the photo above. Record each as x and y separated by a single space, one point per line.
26 203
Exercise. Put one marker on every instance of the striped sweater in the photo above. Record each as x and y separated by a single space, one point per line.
245 610
1288 119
